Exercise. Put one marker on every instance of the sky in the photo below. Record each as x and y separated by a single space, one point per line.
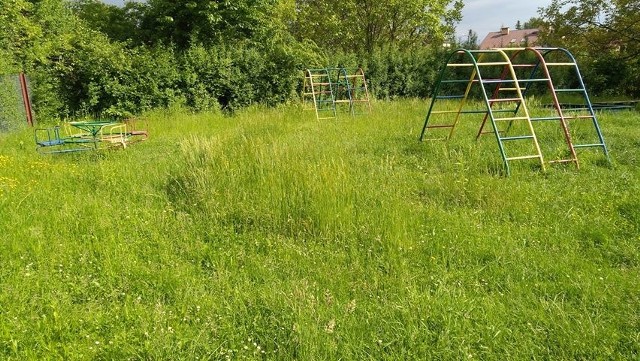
482 16
485 16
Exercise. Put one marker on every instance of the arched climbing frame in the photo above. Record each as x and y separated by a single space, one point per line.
555 69
505 109
317 93
352 89
326 89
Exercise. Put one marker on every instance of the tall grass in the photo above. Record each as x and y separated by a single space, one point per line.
270 235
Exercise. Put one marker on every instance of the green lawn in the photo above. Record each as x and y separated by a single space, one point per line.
271 235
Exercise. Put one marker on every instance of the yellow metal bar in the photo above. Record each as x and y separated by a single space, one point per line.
525 157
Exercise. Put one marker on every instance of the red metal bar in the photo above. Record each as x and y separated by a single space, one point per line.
25 98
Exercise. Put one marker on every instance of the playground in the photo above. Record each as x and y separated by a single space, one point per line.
327 91
495 86
16 113
295 234
301 233
86 135
504 81
498 88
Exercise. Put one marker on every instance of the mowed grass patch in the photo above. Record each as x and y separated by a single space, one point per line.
271 235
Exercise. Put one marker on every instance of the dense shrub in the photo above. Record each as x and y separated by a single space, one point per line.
236 76
397 73
11 110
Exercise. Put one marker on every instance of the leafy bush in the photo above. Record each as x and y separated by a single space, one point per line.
12 114
396 73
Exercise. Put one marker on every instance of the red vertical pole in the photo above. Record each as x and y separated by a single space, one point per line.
25 98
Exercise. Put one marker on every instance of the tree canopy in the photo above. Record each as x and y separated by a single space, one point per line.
606 35
367 25
87 57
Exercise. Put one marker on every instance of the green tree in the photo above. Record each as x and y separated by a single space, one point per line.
368 25
36 35
19 32
186 22
471 42
534 23
118 23
604 34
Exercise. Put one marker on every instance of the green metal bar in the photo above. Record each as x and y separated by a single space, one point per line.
588 101
541 65
476 76
434 96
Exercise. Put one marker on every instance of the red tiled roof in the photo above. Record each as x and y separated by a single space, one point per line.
506 38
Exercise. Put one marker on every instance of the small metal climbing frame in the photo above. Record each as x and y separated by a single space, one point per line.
328 89
352 89
317 93
490 76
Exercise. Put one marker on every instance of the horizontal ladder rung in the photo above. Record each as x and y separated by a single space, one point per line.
444 112
505 100
441 126
478 64
473 112
564 161
511 118
525 157
493 81
588 145
578 90
532 80
545 118
519 137
561 64
580 117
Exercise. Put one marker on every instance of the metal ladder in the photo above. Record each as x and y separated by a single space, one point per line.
530 62
505 92
318 94
358 92
555 60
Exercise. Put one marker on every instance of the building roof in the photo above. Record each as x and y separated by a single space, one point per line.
507 38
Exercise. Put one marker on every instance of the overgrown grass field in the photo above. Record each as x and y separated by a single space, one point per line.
271 235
